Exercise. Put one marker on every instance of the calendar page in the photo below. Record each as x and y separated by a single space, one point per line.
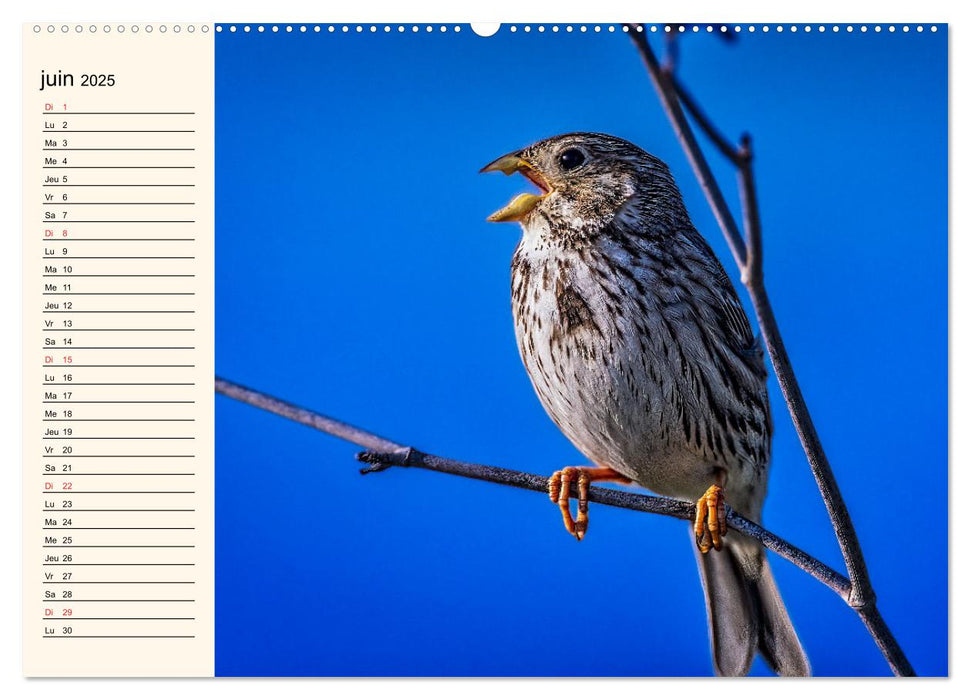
582 350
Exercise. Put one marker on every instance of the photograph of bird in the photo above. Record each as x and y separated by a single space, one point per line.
640 351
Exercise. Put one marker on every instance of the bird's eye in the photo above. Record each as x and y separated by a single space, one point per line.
572 158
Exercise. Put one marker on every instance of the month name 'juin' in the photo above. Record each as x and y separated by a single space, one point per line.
58 79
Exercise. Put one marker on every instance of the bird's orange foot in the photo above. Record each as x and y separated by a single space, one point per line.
711 523
560 493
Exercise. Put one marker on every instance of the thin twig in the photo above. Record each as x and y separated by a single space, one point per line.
748 256
752 272
302 415
701 119
383 454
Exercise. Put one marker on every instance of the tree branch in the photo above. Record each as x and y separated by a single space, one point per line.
383 454
748 257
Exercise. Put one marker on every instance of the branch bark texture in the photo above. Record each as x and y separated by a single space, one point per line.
747 252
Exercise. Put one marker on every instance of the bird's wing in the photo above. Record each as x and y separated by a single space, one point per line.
737 375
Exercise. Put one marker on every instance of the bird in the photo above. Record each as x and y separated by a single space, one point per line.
640 351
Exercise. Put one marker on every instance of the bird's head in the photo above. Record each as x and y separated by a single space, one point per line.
585 180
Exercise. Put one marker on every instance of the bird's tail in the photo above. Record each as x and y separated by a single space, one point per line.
745 611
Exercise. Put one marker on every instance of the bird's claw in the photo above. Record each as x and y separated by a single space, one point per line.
711 522
560 494
583 476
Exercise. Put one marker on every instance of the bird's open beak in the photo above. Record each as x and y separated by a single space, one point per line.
521 204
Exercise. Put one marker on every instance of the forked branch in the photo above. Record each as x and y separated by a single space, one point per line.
747 252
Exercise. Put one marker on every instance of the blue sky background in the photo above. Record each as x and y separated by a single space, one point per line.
356 275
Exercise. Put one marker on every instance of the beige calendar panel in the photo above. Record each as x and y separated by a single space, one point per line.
118 350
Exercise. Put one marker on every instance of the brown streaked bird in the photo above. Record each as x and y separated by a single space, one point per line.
640 351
